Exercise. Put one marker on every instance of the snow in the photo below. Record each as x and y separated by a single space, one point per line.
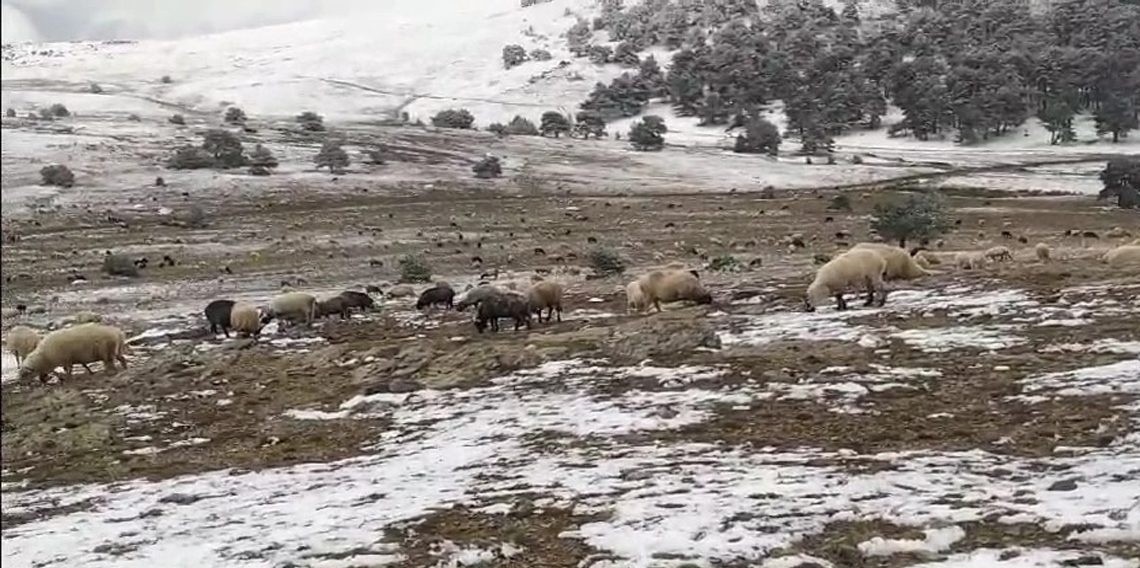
936 540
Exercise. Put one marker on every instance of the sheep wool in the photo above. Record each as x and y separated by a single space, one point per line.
970 260
297 306
78 344
634 299
22 340
1042 251
900 264
87 317
545 295
1124 255
998 253
856 268
672 286
245 319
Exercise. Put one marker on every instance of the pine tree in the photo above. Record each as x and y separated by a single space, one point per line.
262 157
519 126
225 148
1121 178
760 136
311 121
589 122
1116 115
648 133
333 157
554 124
235 115
513 55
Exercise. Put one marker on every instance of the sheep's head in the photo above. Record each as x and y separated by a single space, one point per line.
33 365
703 298
807 304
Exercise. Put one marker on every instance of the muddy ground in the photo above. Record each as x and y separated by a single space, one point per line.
190 403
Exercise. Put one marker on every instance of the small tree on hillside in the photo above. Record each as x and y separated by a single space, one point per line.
225 147
553 123
10 112
760 136
1121 178
190 158
59 111
333 157
540 54
234 115
311 121
261 161
920 216
1116 116
488 167
519 126
513 55
648 133
453 118
57 175
414 269
177 119
589 122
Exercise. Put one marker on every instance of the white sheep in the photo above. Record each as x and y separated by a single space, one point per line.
1122 255
22 340
78 344
245 319
293 306
856 268
545 295
1042 251
672 286
926 258
401 291
900 264
634 299
998 253
86 317
970 260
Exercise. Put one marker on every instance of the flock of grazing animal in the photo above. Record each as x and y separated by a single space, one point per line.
865 266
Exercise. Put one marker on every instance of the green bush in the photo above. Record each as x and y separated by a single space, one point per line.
57 175
606 262
414 269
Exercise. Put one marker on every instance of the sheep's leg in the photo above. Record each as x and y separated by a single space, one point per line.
122 360
559 313
89 371
109 366
840 303
225 331
213 328
657 304
883 296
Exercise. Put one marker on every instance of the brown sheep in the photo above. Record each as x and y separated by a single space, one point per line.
856 268
245 319
79 344
545 295
22 340
672 286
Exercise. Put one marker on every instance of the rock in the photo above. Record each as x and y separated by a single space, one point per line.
1064 485
180 499
399 386
1084 560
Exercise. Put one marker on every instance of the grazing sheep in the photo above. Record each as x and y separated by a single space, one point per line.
439 294
856 268
545 295
1006 235
21 341
671 286
1122 255
926 258
119 265
401 291
218 314
1117 233
634 299
358 300
970 260
292 306
507 305
900 264
86 317
245 319
332 306
476 295
79 344
998 253
1042 251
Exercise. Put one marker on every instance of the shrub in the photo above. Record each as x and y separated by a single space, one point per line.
539 54
553 123
529 3
311 121
225 147
333 157
488 167
59 111
520 126
414 269
95 88
760 136
57 175
234 115
453 118
497 128
134 117
261 157
190 158
920 216
376 156
589 122
10 112
840 203
166 79
725 263
626 55
45 113
177 119
648 134
1121 179
514 55
600 54
606 262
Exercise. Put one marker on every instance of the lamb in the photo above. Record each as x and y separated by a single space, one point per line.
294 306
970 260
245 319
333 306
507 305
671 286
82 344
858 267
900 264
998 253
218 314
1122 255
634 299
358 300
22 340
1042 251
545 295
86 317
438 294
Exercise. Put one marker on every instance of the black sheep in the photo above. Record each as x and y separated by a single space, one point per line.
437 295
497 306
218 314
358 300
